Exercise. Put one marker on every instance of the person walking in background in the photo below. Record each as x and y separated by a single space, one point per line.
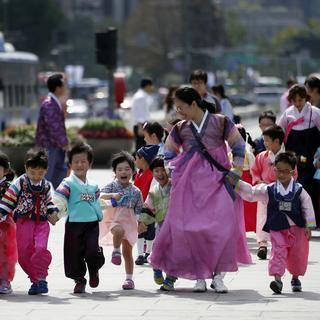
290 217
29 198
301 123
198 80
51 131
284 102
170 113
312 84
79 197
141 104
8 242
226 107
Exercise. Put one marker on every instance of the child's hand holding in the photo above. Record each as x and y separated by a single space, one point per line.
142 227
53 218
307 232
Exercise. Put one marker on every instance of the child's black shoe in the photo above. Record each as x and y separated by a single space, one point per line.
139 261
296 285
276 286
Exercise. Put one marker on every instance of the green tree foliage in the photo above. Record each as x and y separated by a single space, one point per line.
31 24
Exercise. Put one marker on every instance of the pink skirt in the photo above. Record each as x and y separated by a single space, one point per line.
113 217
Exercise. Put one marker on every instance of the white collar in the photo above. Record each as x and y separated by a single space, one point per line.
53 96
272 156
202 122
282 190
79 180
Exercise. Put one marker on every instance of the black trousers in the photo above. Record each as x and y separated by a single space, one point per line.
81 250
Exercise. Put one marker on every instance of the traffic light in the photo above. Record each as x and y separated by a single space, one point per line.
106 48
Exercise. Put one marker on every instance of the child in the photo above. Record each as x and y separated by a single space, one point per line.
290 216
80 197
266 119
143 180
29 197
250 208
154 134
122 219
157 201
263 172
8 243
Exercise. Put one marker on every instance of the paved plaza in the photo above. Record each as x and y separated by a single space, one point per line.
249 296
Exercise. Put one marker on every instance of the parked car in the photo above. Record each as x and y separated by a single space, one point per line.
77 108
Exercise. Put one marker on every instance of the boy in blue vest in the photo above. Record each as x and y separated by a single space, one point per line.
290 216
79 197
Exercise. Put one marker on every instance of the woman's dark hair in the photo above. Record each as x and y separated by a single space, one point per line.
145 82
297 90
245 134
287 157
268 115
199 75
81 147
54 81
122 156
154 127
274 132
156 163
220 90
5 163
313 82
188 95
36 158
169 102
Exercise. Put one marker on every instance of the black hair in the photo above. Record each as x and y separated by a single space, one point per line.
5 163
287 157
122 156
220 90
36 158
156 163
199 75
188 95
245 134
268 115
145 82
291 81
274 132
297 90
54 81
169 102
154 127
81 147
313 82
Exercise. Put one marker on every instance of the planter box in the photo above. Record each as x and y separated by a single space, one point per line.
16 156
103 149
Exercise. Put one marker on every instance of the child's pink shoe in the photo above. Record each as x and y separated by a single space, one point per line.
128 284
116 258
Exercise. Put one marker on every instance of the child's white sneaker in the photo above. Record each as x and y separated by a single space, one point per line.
200 286
218 285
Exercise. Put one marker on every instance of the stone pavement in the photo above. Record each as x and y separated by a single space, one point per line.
249 296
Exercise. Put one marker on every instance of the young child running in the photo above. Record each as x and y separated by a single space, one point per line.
79 197
263 172
122 219
8 243
157 201
29 197
290 216
143 181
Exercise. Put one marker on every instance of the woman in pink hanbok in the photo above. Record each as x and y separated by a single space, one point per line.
203 234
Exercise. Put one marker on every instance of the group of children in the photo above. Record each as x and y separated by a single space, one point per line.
134 212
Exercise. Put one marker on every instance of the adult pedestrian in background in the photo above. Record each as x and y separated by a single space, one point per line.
284 102
198 80
226 106
51 130
312 84
142 101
